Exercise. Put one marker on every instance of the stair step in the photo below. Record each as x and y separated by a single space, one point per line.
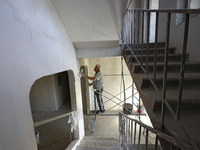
187 104
100 143
190 79
172 67
189 93
99 138
151 51
151 45
98 148
160 58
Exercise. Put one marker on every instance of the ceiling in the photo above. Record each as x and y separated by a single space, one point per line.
92 23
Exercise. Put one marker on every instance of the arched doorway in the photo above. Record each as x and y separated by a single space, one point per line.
53 102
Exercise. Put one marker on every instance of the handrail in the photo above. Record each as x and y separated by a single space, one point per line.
131 33
184 11
162 135
45 121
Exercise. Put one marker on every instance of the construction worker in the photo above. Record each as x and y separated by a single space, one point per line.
98 86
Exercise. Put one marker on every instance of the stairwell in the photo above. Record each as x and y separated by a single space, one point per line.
185 129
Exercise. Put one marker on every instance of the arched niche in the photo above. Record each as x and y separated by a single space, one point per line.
50 92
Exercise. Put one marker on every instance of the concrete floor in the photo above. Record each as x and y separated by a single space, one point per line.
55 135
105 126
38 116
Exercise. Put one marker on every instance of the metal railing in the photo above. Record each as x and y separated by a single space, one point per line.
133 38
132 138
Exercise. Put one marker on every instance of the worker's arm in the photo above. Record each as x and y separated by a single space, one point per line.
90 78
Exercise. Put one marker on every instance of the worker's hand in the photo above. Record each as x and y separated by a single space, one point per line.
83 74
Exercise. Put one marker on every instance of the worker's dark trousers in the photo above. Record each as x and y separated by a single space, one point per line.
98 94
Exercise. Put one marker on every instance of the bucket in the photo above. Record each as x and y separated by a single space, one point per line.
127 108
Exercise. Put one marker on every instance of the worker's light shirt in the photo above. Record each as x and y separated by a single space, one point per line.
98 83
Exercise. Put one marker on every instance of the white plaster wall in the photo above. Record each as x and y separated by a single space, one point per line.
42 95
98 52
176 34
33 44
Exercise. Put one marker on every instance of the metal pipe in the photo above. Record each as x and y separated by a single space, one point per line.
156 46
132 93
142 37
131 60
131 22
129 29
139 137
139 107
138 32
135 133
134 32
129 141
156 143
165 69
182 71
146 141
131 133
148 32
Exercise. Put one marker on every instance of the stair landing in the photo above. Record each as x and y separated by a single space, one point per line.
106 135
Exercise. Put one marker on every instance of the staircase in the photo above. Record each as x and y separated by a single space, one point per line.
99 143
187 128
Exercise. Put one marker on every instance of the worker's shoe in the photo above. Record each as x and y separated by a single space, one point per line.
99 112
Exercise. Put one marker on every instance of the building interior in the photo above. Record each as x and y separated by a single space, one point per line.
149 56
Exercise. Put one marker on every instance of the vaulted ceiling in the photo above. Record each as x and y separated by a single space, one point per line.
92 23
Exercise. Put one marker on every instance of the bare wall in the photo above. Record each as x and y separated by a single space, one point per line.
42 95
33 44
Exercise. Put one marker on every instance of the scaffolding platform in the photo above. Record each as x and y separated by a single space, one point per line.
116 113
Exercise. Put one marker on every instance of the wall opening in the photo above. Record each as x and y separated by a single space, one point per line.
52 100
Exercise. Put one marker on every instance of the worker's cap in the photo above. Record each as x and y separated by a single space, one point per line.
99 66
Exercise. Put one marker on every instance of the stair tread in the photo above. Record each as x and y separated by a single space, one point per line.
175 76
169 63
80 147
160 48
172 93
100 138
100 143
159 55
